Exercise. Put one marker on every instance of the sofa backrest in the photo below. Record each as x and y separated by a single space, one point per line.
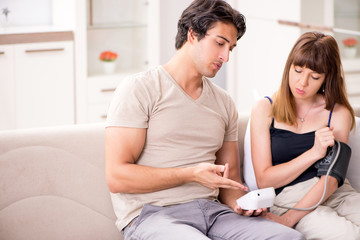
53 186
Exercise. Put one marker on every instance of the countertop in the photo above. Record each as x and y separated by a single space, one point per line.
31 34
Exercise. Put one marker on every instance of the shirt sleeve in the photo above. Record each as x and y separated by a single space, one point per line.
129 105
231 132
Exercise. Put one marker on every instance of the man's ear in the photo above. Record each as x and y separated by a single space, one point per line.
191 36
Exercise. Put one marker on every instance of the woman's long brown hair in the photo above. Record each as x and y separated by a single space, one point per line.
320 53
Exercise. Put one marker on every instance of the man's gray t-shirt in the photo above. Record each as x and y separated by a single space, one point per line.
181 132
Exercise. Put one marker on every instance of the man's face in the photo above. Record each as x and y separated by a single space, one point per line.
214 49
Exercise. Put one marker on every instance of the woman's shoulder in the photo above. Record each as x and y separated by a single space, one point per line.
341 113
263 104
262 108
340 108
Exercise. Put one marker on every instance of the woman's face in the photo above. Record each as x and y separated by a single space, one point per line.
304 82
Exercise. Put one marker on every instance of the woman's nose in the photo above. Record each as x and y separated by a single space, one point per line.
304 79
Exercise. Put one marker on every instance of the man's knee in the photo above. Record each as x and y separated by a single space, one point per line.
291 234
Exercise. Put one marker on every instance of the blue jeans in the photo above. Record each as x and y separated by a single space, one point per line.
203 219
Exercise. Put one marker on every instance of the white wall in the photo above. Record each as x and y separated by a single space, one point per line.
25 13
262 52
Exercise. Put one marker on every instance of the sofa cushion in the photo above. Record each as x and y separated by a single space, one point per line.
249 175
53 184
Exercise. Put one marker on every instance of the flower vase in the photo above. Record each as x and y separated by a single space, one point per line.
350 52
109 67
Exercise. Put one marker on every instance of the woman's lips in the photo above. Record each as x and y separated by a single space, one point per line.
299 91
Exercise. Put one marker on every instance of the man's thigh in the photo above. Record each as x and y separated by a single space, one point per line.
183 221
233 226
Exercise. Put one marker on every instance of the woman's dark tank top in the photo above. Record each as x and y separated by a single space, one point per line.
287 145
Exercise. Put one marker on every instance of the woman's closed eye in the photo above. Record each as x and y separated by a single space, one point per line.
315 77
298 70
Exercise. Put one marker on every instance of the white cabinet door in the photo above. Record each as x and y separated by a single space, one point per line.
7 87
44 83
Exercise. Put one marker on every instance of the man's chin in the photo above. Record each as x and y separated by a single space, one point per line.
211 74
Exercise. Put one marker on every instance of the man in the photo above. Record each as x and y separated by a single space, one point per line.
171 141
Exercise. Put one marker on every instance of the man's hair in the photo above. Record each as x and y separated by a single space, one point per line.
201 15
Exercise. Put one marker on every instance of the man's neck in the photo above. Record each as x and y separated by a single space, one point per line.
182 70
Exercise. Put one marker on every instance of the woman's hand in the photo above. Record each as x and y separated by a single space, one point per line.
324 138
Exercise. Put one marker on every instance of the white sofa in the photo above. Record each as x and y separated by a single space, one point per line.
52 183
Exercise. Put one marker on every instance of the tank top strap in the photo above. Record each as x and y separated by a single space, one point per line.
272 120
269 99
330 115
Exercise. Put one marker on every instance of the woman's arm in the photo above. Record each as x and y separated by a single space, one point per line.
266 174
341 124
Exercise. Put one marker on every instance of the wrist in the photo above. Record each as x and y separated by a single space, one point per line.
186 175
315 154
289 220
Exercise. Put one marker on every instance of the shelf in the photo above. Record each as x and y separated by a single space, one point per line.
118 74
117 25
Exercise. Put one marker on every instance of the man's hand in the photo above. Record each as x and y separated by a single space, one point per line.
257 212
215 176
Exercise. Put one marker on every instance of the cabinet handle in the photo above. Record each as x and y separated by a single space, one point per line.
1 52
108 90
45 50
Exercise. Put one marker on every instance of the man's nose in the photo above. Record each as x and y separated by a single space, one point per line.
224 55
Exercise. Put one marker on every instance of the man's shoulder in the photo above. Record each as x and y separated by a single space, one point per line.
151 73
217 89
145 79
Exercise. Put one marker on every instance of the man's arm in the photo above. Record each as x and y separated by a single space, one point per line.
122 149
229 155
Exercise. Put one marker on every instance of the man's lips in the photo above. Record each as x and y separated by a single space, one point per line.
218 65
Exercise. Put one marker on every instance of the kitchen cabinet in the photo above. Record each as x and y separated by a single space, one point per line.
44 83
37 83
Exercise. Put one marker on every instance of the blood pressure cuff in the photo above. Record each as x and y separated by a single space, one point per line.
343 153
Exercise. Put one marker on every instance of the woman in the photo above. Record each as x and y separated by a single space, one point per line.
294 129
